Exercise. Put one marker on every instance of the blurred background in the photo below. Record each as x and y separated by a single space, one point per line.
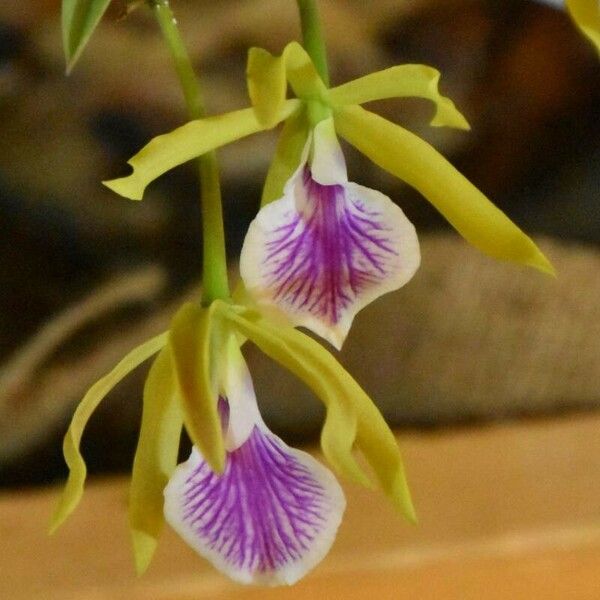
87 275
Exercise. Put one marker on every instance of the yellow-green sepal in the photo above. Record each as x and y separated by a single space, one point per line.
586 14
351 417
402 81
413 160
73 489
155 458
288 154
195 339
187 142
268 76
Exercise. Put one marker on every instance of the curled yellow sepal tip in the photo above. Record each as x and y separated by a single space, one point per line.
447 115
131 187
401 81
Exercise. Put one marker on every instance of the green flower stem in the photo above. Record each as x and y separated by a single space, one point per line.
312 37
214 269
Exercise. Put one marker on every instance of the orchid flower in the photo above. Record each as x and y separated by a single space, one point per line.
260 511
322 248
328 247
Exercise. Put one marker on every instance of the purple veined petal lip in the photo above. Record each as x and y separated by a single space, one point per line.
323 252
268 519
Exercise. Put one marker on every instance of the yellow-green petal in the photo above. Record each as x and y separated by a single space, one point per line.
338 433
288 155
417 163
340 426
267 77
267 84
402 81
191 339
351 415
187 142
73 489
155 458
586 14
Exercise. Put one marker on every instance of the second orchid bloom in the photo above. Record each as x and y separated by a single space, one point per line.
321 247
260 511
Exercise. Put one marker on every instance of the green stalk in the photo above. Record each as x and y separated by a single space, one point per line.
214 268
312 37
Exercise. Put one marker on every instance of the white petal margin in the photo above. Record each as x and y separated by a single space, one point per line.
237 387
268 519
321 253
327 162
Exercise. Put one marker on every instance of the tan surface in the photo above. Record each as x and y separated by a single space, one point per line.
506 512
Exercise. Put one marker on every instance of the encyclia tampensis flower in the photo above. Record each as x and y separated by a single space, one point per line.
317 271
272 514
328 247
260 511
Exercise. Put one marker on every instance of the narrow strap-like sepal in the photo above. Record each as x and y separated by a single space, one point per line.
155 458
187 142
413 160
73 489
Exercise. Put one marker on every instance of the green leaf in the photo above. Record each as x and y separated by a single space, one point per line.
79 19
155 458
73 489
191 338
351 416
414 161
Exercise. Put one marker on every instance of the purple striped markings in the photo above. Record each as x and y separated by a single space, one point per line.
273 513
327 247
